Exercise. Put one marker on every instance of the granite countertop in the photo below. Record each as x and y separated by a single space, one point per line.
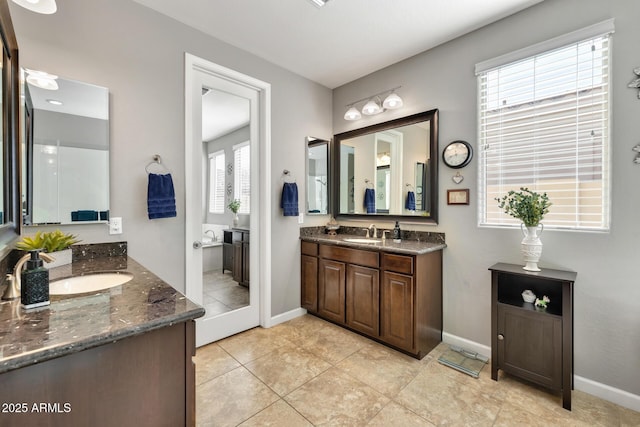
411 247
73 323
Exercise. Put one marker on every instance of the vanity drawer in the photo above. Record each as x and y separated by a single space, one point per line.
308 248
397 263
351 256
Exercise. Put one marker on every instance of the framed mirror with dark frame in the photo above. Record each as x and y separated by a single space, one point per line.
388 171
11 219
318 176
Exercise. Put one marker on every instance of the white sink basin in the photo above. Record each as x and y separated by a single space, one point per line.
88 283
362 240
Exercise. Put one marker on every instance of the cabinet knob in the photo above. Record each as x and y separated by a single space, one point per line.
500 337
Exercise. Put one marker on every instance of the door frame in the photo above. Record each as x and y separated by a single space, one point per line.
261 219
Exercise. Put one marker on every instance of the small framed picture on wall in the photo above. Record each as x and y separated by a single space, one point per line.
458 197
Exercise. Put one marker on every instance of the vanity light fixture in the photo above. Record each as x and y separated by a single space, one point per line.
42 79
374 105
46 7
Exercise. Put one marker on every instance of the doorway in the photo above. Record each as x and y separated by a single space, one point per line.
232 165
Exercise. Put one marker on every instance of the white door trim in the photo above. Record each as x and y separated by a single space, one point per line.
261 219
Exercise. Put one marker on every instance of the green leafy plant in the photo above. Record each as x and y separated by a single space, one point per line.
50 241
234 205
526 205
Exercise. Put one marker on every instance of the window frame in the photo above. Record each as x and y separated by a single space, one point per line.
245 199
603 29
212 157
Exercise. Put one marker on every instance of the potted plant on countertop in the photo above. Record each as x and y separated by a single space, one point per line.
530 208
56 243
234 206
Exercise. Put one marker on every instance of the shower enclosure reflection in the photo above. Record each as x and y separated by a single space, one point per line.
317 176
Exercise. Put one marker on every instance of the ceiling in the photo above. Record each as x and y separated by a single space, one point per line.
342 41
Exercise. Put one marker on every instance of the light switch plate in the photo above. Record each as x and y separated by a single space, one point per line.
301 218
115 225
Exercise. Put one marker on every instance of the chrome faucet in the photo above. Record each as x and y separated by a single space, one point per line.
14 283
213 234
374 233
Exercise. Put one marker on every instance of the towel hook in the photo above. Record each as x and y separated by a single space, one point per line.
368 183
410 186
287 177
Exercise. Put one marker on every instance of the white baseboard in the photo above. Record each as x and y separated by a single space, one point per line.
466 344
603 391
292 314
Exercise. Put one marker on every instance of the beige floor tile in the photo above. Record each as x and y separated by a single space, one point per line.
212 361
396 415
252 344
287 368
629 418
591 410
511 415
333 343
385 370
280 414
300 328
231 399
443 401
334 398
521 393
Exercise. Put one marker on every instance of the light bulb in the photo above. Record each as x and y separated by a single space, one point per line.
392 101
371 108
352 114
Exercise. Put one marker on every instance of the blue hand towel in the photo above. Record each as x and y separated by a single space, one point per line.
370 200
161 197
411 201
289 200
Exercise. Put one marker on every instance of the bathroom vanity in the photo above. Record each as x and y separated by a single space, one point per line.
119 356
390 292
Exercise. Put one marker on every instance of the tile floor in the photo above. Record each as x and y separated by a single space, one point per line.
221 293
308 372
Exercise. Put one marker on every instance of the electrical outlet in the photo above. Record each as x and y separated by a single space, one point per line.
301 218
115 225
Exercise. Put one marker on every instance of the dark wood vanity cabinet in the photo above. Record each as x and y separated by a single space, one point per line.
393 298
532 343
235 254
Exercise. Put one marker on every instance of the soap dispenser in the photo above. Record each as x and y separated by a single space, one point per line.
397 233
35 282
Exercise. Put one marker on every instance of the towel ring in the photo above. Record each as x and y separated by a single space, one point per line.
287 177
157 160
410 187
368 183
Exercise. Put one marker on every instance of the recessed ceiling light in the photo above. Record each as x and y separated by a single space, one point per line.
54 101
318 3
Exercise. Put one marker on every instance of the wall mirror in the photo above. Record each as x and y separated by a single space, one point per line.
318 184
66 150
10 221
388 170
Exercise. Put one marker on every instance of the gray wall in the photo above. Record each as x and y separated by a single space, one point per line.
139 55
607 293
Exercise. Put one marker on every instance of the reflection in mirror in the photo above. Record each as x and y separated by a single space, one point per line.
389 169
317 176
66 150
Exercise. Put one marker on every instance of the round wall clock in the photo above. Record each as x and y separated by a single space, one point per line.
457 154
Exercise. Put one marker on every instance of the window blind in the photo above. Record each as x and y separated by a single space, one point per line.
242 176
216 182
544 124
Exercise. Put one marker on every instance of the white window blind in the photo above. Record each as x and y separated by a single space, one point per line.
242 176
544 124
216 182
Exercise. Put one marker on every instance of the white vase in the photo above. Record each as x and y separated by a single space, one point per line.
61 258
531 246
235 219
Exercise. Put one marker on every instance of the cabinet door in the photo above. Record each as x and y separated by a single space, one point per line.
363 299
331 290
237 262
530 345
397 310
245 263
227 257
309 280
